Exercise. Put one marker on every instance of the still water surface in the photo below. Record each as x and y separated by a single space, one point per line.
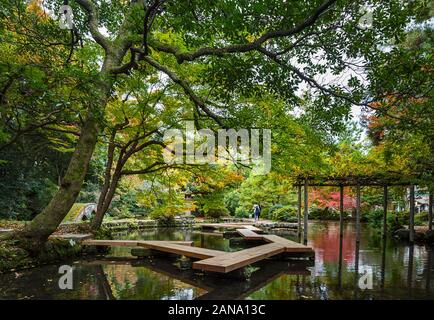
398 272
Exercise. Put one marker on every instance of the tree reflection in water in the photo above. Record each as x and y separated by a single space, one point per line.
399 271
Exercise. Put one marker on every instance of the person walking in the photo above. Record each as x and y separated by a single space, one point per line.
256 211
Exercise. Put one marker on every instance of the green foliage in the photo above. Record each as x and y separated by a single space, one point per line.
325 214
232 201
212 205
284 213
240 212
74 212
395 220
48 87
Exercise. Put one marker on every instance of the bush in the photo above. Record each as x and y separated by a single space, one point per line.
267 213
240 212
421 218
212 205
232 201
215 213
325 214
375 218
166 220
395 220
286 213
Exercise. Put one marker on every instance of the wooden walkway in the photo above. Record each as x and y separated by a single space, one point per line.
249 234
215 260
235 260
235 225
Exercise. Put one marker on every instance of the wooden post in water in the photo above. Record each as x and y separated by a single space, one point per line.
357 214
299 211
385 201
341 212
430 211
411 226
306 211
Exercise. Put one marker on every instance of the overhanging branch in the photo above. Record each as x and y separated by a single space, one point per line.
240 48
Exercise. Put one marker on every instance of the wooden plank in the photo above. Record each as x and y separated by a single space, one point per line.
128 243
111 243
253 228
193 252
235 260
182 243
249 234
72 236
234 225
290 246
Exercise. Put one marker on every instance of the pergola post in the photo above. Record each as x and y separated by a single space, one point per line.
306 211
430 212
341 212
385 201
411 213
357 214
299 211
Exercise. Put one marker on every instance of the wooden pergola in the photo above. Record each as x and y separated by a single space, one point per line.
358 182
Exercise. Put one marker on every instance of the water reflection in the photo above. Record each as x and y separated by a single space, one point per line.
399 271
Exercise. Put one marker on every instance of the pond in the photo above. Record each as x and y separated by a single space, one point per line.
397 271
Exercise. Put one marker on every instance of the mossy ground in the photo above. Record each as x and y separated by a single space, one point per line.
13 256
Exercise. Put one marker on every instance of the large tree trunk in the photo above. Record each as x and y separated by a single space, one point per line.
45 223
105 199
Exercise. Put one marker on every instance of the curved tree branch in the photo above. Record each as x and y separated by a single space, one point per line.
92 13
187 89
239 48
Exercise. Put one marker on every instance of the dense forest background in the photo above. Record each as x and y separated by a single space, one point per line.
340 100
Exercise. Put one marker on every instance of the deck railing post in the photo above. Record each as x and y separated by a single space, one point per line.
430 211
385 201
306 211
411 227
341 212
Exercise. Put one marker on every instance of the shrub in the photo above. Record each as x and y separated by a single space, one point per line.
286 213
269 211
215 213
166 220
240 212
325 214
232 201
375 218
395 220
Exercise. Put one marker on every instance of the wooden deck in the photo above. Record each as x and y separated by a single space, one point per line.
235 260
170 247
234 225
290 246
249 234
215 260
130 243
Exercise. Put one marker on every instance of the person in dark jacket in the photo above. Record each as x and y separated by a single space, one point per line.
256 211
